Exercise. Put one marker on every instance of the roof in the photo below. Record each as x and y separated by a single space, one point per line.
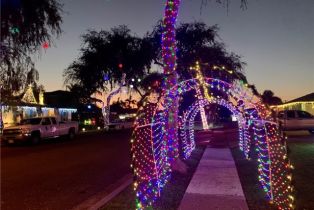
308 97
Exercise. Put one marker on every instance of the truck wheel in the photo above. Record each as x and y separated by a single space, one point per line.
35 139
71 134
311 131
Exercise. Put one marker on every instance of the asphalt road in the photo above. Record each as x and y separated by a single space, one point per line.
60 174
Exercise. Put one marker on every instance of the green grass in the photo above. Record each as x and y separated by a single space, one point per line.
302 158
301 155
171 195
247 171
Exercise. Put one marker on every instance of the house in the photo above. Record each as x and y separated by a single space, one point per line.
31 106
305 103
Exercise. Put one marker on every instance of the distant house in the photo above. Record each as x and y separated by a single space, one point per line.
305 103
35 105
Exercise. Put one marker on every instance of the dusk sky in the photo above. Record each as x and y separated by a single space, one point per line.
274 37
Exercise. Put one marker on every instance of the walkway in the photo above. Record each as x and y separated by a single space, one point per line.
215 184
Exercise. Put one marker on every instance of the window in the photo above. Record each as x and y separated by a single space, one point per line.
53 120
290 114
46 121
303 114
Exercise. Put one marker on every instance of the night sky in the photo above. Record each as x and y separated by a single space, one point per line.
274 37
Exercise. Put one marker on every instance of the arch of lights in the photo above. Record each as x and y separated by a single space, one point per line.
151 148
155 144
187 126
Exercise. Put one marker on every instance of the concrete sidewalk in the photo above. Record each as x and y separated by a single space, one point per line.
215 184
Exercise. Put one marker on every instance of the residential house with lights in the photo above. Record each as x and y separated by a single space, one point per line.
29 106
305 103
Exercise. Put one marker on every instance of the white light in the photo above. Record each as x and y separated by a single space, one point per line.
98 128
138 80
83 129
131 86
133 80
121 117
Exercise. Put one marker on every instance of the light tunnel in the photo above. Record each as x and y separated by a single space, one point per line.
152 148
155 143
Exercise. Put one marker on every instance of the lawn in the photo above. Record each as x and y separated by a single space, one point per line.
301 154
172 193
247 171
302 158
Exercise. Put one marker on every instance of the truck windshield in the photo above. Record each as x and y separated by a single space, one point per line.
31 121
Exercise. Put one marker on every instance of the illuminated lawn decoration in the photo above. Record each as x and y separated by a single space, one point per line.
169 51
152 152
252 127
149 155
155 143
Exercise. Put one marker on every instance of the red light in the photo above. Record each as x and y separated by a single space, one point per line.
45 45
120 65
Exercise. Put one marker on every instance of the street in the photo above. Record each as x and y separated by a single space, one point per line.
59 174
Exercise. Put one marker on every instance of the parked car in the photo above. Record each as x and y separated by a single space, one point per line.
35 129
121 124
296 120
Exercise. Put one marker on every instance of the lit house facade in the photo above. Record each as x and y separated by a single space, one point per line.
29 107
305 103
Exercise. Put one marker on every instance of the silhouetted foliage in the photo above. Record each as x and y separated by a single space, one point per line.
152 81
109 54
104 51
198 42
25 26
269 98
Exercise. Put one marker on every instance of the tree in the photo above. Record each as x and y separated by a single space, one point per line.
103 52
198 42
105 56
269 98
25 26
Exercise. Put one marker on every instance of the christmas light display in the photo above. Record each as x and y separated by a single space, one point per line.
187 128
168 48
106 107
28 96
199 94
202 110
155 141
149 158
250 115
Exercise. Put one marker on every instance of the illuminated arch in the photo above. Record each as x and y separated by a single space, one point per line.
187 125
152 149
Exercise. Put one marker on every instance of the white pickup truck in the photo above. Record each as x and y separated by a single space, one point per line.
35 129
296 120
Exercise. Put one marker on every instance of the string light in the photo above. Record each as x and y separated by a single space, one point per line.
155 143
45 45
